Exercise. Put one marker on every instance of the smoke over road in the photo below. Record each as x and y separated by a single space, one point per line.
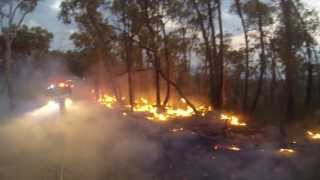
88 143
93 143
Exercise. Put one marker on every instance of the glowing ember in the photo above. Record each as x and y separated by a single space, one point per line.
224 147
286 151
177 130
232 120
233 148
183 100
62 85
313 135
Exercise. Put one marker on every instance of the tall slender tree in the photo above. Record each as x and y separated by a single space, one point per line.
259 17
289 59
238 8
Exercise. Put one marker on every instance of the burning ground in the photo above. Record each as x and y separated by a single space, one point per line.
93 142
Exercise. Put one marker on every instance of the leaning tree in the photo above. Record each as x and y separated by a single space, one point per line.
12 15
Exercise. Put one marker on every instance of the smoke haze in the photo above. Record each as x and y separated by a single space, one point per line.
92 143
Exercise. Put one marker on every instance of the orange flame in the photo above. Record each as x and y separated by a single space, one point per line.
143 105
232 120
286 151
312 135
62 85
175 130
233 148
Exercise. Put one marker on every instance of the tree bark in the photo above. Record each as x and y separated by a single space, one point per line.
99 73
155 49
157 80
8 73
220 64
309 85
208 54
246 39
128 49
262 66
273 77
289 63
167 58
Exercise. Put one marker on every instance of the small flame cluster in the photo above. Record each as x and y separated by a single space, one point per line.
226 147
168 112
232 120
145 106
313 135
176 130
286 151
107 101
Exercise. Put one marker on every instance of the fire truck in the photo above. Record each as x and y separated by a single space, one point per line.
60 92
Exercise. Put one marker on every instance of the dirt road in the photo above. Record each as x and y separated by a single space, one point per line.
91 143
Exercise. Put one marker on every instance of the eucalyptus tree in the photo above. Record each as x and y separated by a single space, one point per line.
127 15
220 60
12 16
294 41
92 18
308 23
153 37
205 16
289 61
259 16
238 8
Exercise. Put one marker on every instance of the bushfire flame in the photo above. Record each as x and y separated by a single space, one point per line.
233 148
175 130
232 120
226 147
107 101
312 135
154 113
286 151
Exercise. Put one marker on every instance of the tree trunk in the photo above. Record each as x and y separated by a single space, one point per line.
289 63
208 54
9 74
101 42
167 58
99 73
220 64
128 50
309 64
246 39
273 80
155 49
309 76
157 80
262 67
213 32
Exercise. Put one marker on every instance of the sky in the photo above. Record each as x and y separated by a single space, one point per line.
46 15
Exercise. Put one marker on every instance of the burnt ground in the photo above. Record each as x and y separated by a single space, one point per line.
91 143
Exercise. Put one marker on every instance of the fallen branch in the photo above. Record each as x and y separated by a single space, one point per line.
179 91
